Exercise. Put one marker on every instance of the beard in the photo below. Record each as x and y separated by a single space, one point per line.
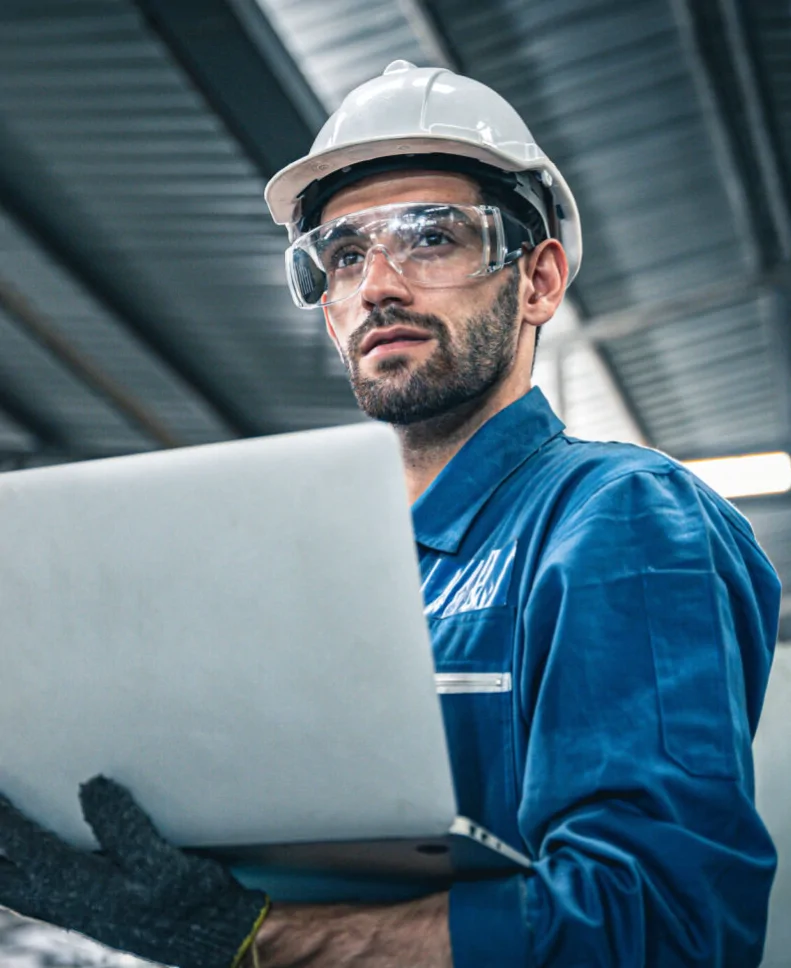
454 375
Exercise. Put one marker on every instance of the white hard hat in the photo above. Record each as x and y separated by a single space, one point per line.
411 111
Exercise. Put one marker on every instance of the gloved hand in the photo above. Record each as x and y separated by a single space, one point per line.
141 895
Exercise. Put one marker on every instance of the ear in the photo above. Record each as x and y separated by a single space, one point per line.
547 272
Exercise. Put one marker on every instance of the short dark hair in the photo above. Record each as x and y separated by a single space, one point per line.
527 215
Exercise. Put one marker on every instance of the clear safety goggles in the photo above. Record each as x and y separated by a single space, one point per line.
434 246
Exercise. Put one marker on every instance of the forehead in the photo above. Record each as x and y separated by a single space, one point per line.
392 187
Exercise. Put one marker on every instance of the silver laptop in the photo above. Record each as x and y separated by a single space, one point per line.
236 632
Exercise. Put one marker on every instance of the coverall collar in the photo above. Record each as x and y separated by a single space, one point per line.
444 512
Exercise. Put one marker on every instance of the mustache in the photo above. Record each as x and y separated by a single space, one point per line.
382 318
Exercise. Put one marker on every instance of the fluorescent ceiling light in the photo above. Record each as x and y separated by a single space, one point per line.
746 476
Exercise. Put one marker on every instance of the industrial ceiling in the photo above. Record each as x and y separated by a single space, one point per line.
142 300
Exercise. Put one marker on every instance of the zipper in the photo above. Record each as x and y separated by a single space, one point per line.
472 682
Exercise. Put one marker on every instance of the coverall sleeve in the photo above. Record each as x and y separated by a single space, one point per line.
648 630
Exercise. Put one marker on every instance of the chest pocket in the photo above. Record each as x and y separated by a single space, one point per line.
475 684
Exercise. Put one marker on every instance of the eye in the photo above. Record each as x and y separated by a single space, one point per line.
343 257
431 237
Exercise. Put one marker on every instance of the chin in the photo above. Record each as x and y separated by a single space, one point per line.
390 366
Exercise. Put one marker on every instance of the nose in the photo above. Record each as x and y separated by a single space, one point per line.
383 282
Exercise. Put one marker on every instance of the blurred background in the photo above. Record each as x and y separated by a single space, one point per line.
142 297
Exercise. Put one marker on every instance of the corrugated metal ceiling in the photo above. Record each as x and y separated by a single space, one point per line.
82 421
618 94
175 211
337 48
146 177
730 403
609 89
769 23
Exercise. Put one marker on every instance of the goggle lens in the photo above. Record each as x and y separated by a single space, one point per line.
431 245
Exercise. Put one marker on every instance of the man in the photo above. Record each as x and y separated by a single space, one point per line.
627 610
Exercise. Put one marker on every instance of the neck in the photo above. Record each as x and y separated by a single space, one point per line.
427 446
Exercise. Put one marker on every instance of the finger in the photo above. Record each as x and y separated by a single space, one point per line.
27 844
124 831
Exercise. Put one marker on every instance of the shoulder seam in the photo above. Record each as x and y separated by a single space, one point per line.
665 471
732 514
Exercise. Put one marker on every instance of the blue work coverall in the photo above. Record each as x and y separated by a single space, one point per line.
612 622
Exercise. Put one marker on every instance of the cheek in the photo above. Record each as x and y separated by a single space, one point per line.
340 327
347 317
456 306
335 323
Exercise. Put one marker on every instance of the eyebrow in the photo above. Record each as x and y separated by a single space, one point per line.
338 232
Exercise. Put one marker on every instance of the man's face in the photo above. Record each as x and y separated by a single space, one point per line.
469 333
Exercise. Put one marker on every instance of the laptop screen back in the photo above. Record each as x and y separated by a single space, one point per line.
234 631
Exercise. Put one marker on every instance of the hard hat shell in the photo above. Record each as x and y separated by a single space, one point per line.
412 111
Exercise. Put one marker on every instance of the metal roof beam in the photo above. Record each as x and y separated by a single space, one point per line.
45 432
32 322
634 319
279 61
29 194
758 125
724 153
429 35
239 64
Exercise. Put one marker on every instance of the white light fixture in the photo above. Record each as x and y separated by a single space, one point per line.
747 476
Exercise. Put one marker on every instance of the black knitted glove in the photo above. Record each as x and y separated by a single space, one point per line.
141 895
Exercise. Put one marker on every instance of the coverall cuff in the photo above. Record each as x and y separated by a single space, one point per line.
488 924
